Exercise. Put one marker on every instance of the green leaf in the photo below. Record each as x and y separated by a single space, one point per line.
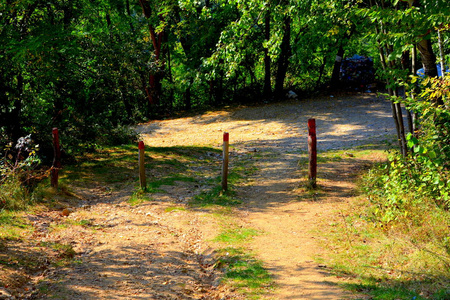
432 154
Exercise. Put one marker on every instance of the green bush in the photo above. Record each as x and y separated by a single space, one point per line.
19 172
421 178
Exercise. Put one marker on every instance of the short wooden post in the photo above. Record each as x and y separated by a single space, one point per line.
56 159
142 179
226 141
312 149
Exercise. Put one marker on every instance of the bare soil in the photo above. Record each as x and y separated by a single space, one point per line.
150 251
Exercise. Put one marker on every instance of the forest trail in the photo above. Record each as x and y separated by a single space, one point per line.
277 134
155 250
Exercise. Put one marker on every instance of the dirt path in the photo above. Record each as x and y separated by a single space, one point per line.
278 134
150 251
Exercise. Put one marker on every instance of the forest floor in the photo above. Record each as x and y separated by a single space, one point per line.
164 248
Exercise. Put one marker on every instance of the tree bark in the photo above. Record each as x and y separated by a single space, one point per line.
396 109
187 98
154 89
15 117
283 59
428 57
322 68
334 82
267 61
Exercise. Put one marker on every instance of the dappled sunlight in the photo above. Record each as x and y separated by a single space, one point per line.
149 243
341 124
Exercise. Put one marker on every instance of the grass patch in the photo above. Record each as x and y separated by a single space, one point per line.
120 164
236 235
165 166
138 197
12 194
243 272
215 197
13 226
352 163
406 259
63 253
154 186
174 208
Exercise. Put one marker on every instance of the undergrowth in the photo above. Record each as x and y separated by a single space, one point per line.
399 245
391 244
407 259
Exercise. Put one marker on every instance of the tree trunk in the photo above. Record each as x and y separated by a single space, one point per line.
441 53
283 59
187 98
322 68
396 109
127 5
428 57
401 125
267 62
413 93
334 82
429 63
155 77
155 88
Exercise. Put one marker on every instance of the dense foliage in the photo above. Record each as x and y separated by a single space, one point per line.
88 67
93 67
422 178
417 176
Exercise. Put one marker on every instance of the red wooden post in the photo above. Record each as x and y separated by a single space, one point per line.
56 158
312 149
142 179
226 142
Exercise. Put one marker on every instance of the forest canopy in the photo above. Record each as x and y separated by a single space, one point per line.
92 67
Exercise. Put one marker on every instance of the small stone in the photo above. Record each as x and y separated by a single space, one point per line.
4 294
66 211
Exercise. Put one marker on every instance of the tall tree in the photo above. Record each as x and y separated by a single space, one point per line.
283 58
156 30
267 60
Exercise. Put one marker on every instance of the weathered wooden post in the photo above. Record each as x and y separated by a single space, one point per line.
312 149
56 159
142 179
226 139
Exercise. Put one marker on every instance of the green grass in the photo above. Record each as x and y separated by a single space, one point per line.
238 172
154 186
174 208
64 253
244 272
13 196
236 235
139 197
388 264
120 164
215 197
405 259
13 226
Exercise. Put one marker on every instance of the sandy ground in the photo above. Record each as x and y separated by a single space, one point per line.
278 132
146 252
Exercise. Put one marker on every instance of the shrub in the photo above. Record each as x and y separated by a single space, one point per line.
18 173
422 177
